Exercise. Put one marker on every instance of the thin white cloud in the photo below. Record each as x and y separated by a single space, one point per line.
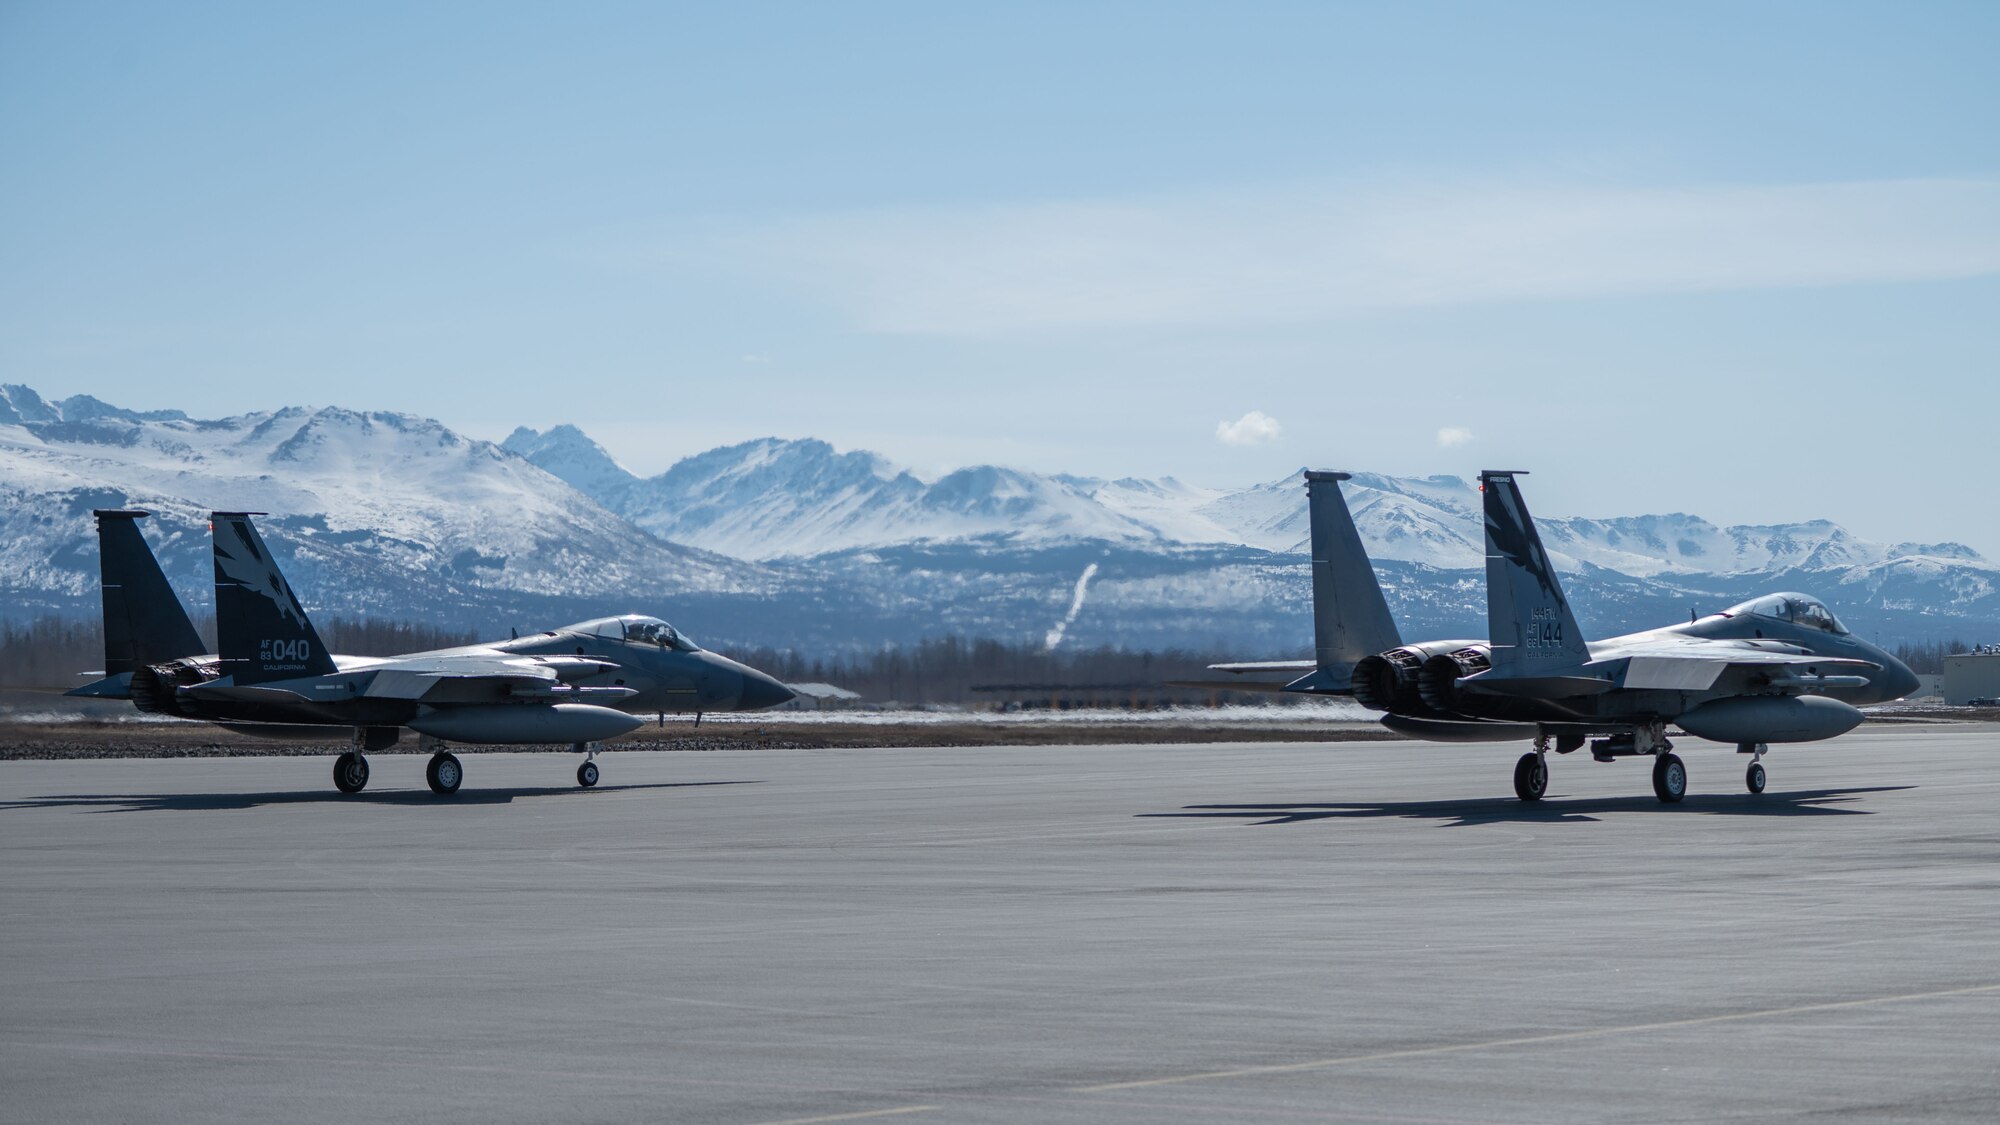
1450 437
1300 254
1254 428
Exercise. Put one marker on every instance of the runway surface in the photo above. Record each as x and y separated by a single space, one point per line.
1360 932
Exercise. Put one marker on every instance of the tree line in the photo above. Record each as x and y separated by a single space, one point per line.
53 651
978 670
1926 658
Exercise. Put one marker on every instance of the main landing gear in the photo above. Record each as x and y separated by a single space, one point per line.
1531 771
350 772
1531 776
444 774
1670 778
586 774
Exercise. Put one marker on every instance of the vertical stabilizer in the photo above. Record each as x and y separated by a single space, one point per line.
261 629
1528 621
1350 617
144 622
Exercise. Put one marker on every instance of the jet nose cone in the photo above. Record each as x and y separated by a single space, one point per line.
760 691
1900 680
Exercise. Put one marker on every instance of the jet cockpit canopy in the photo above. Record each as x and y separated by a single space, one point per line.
635 629
1795 608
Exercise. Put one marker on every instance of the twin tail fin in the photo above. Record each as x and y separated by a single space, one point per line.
1528 620
1351 619
261 629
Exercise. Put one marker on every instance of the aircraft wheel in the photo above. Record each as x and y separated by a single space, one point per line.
1531 777
444 774
1670 778
1753 778
350 772
586 774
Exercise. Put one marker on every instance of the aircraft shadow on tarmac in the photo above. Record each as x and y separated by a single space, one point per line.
1555 810
214 802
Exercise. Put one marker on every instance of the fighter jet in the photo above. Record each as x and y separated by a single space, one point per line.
1777 669
577 684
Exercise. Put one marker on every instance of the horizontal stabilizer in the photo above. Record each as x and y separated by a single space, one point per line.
1251 667
1337 680
1270 687
110 687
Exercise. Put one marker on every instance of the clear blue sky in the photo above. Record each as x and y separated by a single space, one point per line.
1736 259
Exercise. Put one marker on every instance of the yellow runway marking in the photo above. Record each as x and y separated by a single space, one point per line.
1527 1040
851 1116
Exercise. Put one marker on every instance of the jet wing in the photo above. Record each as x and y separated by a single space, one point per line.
1682 667
475 677
1699 670
1272 667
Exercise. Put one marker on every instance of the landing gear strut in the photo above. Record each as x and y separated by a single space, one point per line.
586 774
350 772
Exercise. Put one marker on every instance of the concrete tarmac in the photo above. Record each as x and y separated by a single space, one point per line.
1357 932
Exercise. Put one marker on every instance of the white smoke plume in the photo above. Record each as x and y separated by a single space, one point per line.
1055 636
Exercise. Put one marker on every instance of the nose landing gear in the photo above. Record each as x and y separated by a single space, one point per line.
1753 778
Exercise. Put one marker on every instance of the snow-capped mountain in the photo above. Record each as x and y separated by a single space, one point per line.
371 509
797 544
769 499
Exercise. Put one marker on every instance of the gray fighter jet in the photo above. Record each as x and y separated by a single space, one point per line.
577 684
1777 669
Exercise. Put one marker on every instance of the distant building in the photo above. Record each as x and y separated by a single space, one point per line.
819 697
1972 675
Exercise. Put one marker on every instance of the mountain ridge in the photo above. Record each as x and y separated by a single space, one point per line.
1434 520
794 543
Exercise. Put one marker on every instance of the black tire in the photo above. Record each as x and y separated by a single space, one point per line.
1670 779
1531 777
350 772
586 774
1753 778
444 774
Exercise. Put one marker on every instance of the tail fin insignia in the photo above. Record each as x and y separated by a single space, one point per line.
1529 621
261 628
